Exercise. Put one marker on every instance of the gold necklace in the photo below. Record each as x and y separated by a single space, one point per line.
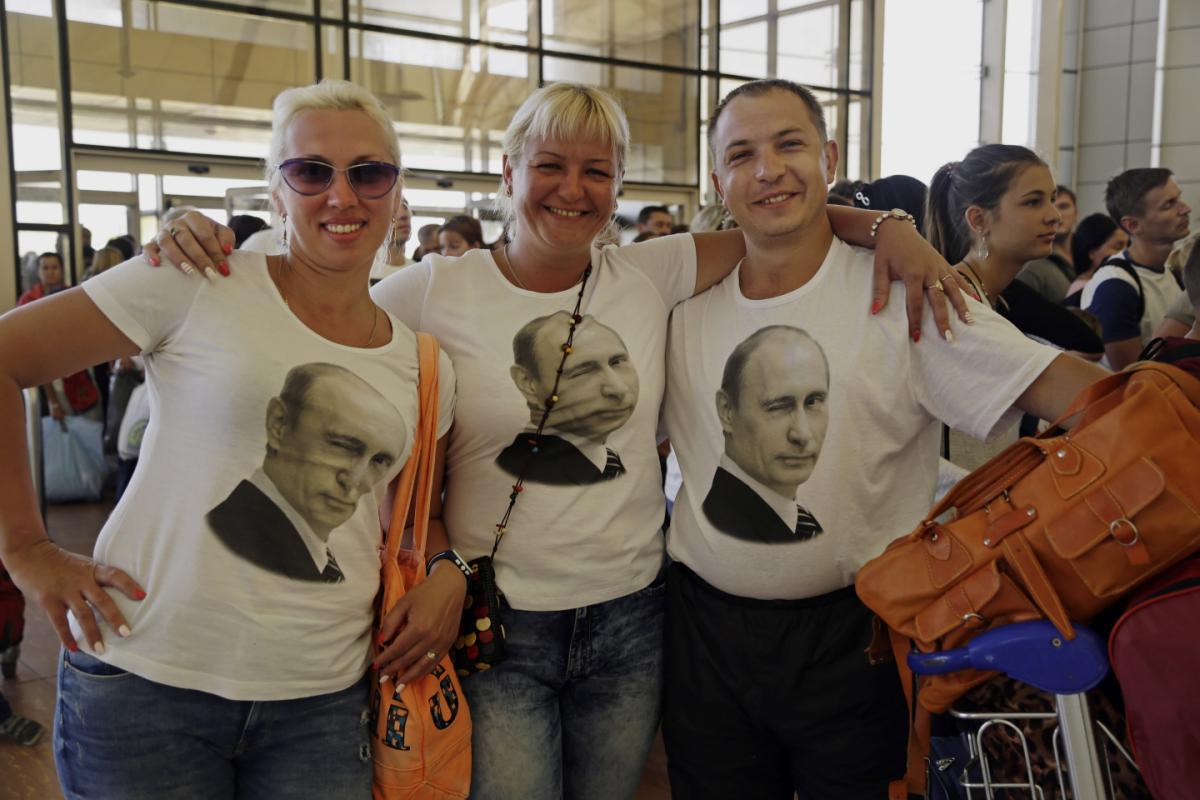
283 296
512 270
976 282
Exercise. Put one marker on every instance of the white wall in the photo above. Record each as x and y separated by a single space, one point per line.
1118 40
1176 133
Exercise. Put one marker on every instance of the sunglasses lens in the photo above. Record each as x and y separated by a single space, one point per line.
373 179
307 177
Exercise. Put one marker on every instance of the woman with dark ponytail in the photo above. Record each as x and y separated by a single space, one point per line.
988 215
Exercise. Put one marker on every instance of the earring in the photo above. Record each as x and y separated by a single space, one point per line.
283 235
983 248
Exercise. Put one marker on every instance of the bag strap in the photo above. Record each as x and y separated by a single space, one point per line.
415 481
1127 266
919 720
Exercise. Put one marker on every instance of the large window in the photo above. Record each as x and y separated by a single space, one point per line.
190 83
930 91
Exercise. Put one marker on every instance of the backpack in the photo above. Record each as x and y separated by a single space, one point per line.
1127 266
1155 659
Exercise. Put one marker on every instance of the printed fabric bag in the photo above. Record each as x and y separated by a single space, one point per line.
134 422
1055 527
420 734
73 464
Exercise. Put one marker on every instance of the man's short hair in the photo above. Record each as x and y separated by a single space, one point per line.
1125 195
50 254
299 381
735 365
647 211
758 89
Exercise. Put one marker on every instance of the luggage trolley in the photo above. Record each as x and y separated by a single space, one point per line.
1036 653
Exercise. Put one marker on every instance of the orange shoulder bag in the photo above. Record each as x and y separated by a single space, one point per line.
421 734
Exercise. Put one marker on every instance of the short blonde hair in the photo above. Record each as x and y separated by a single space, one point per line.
566 112
328 95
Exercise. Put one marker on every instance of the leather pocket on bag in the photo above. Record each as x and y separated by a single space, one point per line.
1124 530
985 598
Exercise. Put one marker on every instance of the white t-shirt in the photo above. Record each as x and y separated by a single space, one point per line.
239 602
580 533
1159 289
265 241
380 268
876 466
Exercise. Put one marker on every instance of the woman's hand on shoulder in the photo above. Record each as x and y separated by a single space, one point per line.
61 581
192 242
902 254
423 621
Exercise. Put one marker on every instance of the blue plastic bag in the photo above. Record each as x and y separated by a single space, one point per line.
73 463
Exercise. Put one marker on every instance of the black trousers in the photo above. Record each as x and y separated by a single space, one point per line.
767 698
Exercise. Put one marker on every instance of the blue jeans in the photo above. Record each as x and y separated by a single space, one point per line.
121 737
572 711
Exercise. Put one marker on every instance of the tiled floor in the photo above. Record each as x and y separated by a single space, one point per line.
27 773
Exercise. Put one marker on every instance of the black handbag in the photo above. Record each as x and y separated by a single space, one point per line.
480 642
481 637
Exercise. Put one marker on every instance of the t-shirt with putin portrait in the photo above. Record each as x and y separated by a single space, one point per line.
587 526
252 520
807 429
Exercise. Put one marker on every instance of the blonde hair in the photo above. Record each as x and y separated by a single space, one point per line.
565 112
328 95
105 258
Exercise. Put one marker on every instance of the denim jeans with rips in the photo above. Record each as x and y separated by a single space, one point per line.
121 737
572 712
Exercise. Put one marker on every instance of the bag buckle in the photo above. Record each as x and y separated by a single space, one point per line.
974 619
1117 524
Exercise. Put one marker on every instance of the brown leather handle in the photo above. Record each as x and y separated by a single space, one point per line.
982 485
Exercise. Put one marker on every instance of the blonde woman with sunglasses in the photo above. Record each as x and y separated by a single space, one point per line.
216 645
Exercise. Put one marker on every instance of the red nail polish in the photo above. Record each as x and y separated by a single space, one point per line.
139 595
875 307
916 335
154 262
228 248
223 268
74 648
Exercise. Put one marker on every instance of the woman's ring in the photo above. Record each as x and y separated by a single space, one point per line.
173 231
936 285
431 655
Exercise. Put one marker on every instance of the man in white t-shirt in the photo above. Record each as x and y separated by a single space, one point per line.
772 407
1131 298
325 450
829 416
597 393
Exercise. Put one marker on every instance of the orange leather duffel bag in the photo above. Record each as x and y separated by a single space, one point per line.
1054 527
